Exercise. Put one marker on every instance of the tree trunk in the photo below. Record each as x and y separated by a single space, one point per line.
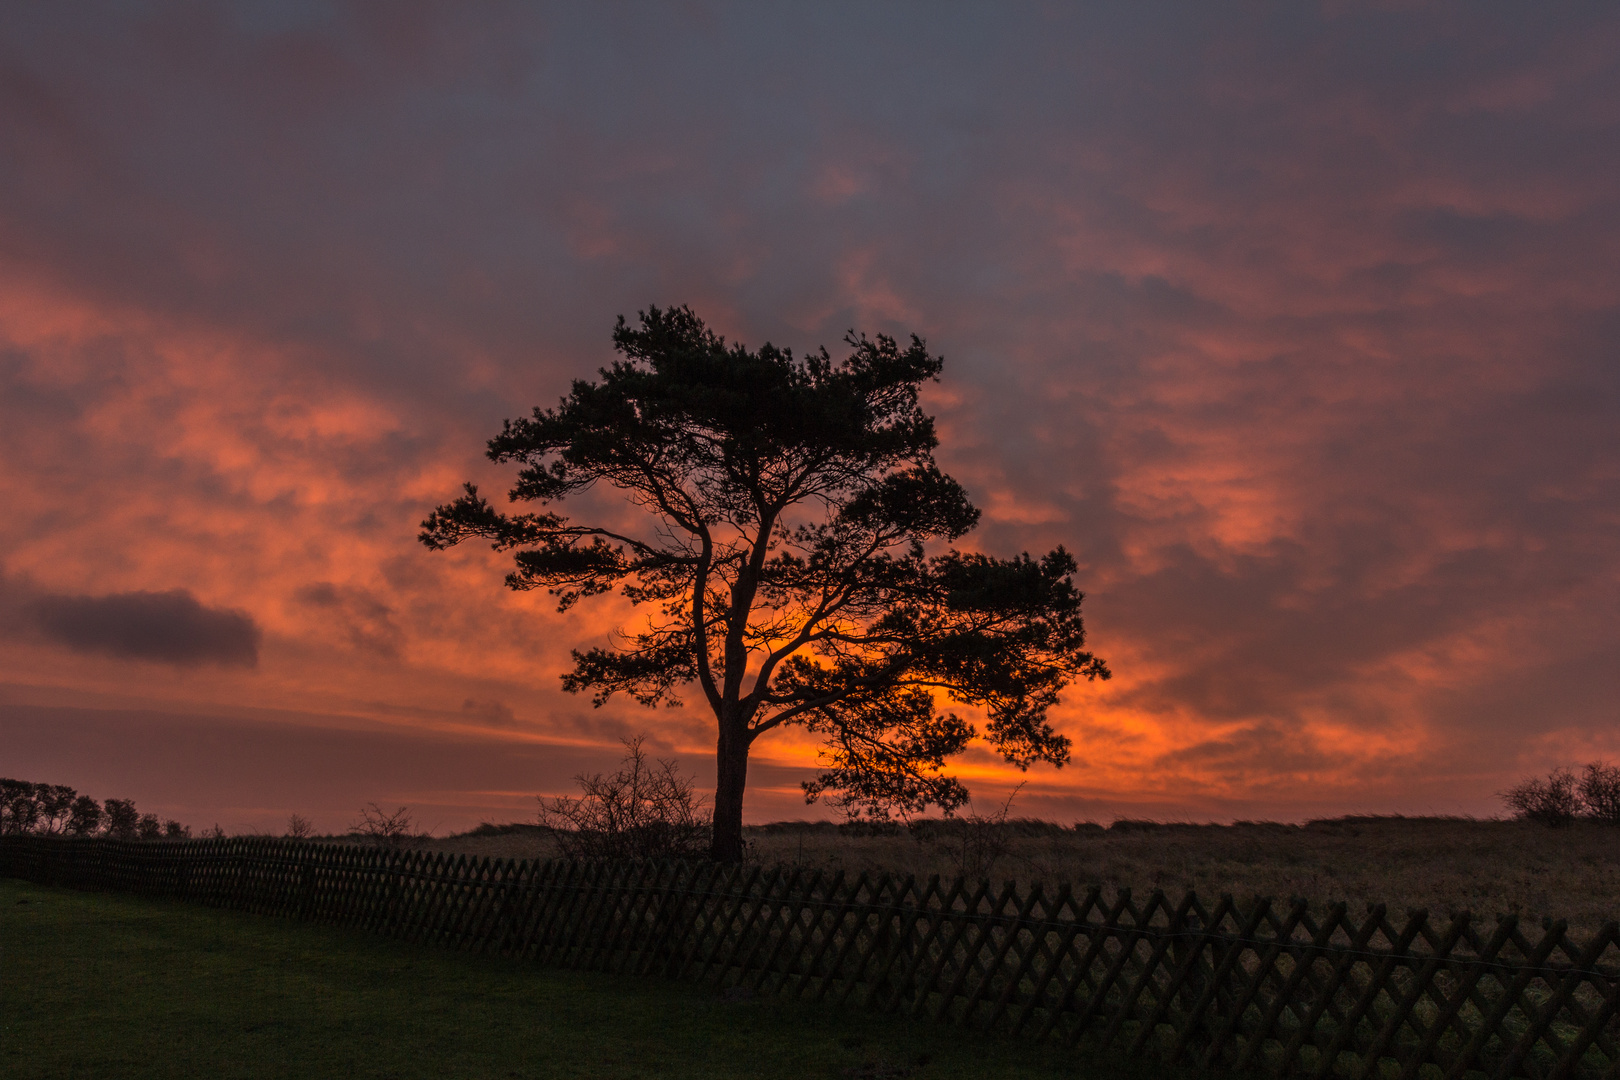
730 779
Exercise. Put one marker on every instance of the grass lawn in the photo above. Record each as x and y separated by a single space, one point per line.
97 985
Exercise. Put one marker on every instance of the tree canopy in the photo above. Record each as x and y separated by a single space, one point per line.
794 562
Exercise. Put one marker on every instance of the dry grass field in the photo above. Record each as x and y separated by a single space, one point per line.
1443 864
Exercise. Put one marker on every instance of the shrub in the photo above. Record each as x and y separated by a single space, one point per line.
299 827
1600 792
645 810
383 829
1560 798
974 843
1553 801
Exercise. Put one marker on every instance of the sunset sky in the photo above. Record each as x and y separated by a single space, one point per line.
1298 325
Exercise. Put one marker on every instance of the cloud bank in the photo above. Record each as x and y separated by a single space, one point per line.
165 627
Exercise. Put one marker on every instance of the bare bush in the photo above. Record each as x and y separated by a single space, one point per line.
1553 801
973 844
1560 798
381 828
299 827
1600 792
645 810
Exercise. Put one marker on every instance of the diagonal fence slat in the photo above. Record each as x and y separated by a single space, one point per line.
1079 975
1055 957
1183 979
1288 996
1242 987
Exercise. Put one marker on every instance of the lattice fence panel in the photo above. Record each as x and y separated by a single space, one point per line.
1286 990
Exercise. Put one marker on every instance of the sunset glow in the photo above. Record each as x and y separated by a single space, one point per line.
1299 331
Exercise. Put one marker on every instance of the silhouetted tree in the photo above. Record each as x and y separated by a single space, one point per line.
123 820
85 817
55 806
785 561
19 810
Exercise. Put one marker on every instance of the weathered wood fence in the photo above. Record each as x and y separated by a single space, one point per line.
1275 989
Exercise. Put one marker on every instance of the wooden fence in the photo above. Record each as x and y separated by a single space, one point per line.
1258 987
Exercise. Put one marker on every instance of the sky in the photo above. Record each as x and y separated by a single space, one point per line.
1297 324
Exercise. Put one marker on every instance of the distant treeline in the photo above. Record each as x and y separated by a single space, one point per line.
58 810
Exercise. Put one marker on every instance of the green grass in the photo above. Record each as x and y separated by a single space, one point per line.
97 985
